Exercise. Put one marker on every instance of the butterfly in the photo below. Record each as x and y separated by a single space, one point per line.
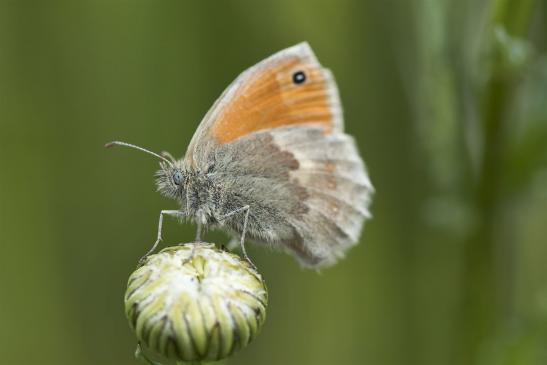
270 163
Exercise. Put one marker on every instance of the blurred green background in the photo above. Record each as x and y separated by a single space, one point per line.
447 100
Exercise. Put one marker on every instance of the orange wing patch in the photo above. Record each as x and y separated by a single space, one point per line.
275 96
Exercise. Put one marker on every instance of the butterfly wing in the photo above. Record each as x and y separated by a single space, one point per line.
276 143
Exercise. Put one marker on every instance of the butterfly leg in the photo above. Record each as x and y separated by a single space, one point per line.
199 230
174 213
247 210
197 240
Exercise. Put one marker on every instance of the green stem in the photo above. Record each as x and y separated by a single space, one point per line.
484 292
482 307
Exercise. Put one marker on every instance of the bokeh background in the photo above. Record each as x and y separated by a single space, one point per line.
446 98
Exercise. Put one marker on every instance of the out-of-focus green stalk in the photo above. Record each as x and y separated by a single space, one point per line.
514 15
484 292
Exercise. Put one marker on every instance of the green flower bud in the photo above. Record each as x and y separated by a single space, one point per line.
195 302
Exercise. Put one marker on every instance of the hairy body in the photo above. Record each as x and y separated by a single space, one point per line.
312 206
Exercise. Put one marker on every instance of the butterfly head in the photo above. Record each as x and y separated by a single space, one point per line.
172 180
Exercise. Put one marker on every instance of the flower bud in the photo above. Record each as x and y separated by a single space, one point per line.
195 302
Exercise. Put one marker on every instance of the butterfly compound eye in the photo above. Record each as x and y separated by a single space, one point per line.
298 77
177 178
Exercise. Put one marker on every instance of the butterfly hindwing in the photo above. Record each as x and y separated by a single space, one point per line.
308 192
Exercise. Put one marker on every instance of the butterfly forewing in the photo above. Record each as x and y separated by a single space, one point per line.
269 95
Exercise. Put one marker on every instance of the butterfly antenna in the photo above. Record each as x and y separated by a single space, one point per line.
167 155
125 144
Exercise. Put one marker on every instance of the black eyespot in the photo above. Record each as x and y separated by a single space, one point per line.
298 77
177 178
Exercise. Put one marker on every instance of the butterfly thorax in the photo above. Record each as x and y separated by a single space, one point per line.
192 188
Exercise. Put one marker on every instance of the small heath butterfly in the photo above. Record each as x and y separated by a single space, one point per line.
270 162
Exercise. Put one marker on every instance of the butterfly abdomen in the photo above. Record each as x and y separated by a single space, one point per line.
270 206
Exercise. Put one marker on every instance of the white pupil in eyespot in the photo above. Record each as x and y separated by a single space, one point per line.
299 77
177 178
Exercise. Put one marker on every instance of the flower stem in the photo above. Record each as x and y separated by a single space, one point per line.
485 297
